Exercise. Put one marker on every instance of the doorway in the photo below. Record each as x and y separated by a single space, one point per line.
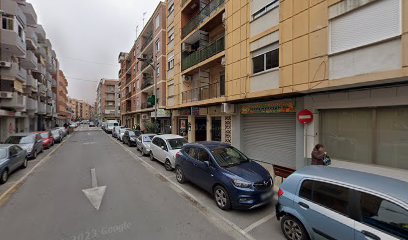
216 129
200 129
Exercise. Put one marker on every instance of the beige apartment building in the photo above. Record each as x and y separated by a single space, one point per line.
143 76
81 110
241 71
63 112
107 100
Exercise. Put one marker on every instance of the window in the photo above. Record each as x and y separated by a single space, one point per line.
273 4
171 7
158 45
158 70
384 215
170 64
170 35
202 155
306 190
8 22
157 21
265 59
192 152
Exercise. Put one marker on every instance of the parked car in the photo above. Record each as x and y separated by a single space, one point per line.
91 124
234 180
164 149
31 142
333 203
116 131
110 125
103 126
122 132
57 135
143 143
129 137
48 140
12 157
63 131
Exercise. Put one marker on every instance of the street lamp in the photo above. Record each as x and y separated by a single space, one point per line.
154 87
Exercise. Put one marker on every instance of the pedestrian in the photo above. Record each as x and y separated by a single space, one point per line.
318 155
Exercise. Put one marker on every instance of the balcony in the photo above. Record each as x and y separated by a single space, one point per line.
42 88
39 30
31 38
49 93
11 43
42 109
9 72
147 82
30 60
210 91
29 12
201 17
14 101
128 95
146 105
22 75
48 109
203 54
40 69
147 41
31 105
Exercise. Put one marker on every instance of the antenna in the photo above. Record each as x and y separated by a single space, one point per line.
144 14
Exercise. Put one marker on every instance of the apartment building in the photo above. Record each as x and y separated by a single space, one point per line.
61 86
244 70
143 76
107 100
81 110
27 100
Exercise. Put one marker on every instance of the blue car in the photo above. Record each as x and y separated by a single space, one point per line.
12 157
319 202
220 169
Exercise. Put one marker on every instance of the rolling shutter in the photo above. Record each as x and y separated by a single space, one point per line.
270 138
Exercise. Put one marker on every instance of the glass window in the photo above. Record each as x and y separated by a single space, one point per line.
306 190
202 155
20 139
147 138
171 7
8 23
158 45
170 64
272 59
3 153
44 135
12 151
384 215
192 152
176 143
157 21
331 196
258 63
228 156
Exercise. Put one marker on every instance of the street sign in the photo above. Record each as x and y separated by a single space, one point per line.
305 116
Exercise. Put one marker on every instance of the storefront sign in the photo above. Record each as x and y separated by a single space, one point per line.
305 116
270 107
161 113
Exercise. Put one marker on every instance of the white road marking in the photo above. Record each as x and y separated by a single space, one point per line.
88 143
213 216
259 222
94 194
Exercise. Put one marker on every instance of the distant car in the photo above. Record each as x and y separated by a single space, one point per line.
48 140
319 202
31 142
63 131
91 124
110 125
12 157
116 131
143 143
234 180
164 148
57 135
122 132
103 126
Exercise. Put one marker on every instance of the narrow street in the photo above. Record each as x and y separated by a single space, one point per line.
136 205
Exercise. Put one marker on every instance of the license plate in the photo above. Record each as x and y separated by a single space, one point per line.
266 195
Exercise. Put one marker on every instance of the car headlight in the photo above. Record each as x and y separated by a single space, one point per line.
241 184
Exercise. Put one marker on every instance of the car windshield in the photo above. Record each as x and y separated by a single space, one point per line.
176 143
148 138
228 156
20 139
123 130
55 132
131 134
44 135
3 152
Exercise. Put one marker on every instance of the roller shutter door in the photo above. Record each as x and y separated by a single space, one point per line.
270 138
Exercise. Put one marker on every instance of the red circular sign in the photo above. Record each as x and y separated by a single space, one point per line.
305 116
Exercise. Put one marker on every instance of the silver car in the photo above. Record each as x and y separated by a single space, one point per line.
12 157
122 132
143 143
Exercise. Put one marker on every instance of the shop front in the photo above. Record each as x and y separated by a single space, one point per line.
163 118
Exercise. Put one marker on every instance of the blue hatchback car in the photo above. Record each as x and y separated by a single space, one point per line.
220 169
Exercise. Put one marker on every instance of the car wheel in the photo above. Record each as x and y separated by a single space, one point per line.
180 175
25 163
167 165
151 156
221 198
4 176
293 229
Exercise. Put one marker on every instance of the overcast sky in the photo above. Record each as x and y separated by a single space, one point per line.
88 35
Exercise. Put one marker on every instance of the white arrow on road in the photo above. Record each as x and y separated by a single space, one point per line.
95 194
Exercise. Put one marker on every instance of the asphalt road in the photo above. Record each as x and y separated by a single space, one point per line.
137 204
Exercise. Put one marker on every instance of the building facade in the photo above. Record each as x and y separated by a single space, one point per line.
107 100
143 76
243 70
63 112
28 67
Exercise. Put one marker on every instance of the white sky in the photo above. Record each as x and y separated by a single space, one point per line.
88 35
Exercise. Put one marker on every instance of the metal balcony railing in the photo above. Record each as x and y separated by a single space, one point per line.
205 13
146 42
147 82
203 54
202 93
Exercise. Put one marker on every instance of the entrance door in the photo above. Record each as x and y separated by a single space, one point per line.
201 129
216 129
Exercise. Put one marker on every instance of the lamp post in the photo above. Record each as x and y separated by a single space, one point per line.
154 87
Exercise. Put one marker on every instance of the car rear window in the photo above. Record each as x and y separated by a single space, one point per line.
3 152
20 139
44 135
176 143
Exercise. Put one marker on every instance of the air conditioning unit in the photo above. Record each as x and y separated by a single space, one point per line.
187 78
185 47
228 108
145 116
6 95
223 61
5 64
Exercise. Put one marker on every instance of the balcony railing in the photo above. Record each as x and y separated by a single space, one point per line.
202 93
31 104
42 109
147 82
146 42
206 12
203 54
146 105
17 101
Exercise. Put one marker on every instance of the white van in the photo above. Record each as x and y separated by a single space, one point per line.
110 124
